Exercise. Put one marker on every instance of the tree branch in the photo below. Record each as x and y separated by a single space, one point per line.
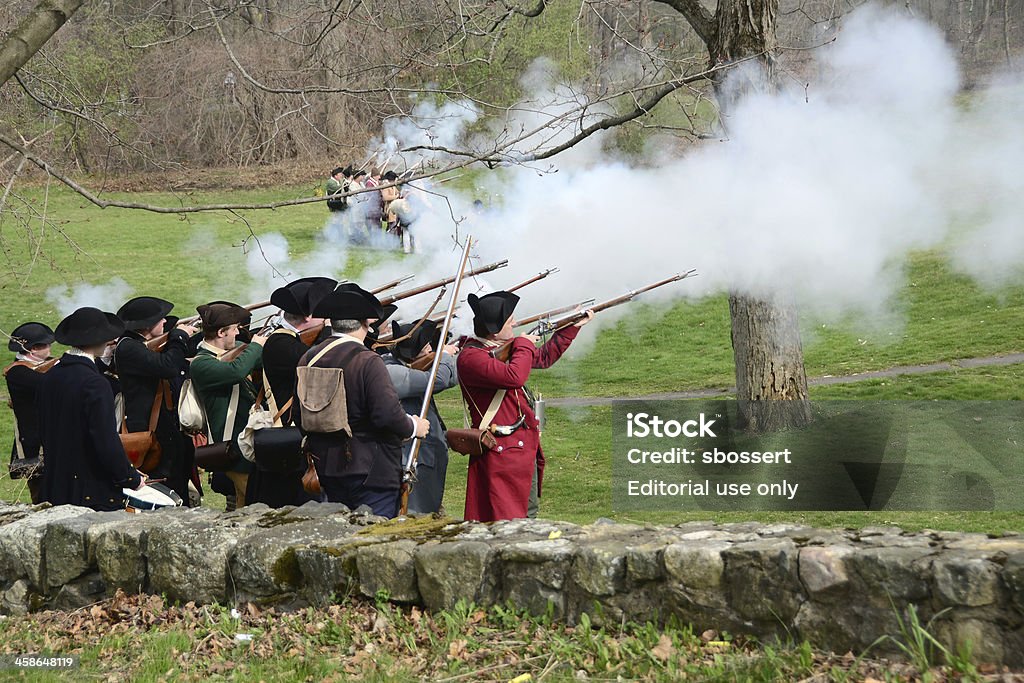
698 16
32 33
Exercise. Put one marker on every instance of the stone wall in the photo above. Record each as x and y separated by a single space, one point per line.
840 590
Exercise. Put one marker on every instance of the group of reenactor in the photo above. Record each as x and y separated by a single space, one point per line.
370 212
72 441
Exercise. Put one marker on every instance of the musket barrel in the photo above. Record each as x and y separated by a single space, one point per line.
441 283
391 285
538 276
410 466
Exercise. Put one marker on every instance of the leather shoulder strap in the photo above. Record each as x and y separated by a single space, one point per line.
26 363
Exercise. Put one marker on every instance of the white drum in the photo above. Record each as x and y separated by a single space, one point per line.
151 497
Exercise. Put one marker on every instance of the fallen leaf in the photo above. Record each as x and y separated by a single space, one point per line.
456 649
663 650
709 635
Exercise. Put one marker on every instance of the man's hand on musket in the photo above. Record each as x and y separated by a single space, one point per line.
534 338
588 315
422 426
188 329
450 349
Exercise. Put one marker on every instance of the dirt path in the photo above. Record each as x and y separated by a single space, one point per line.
826 380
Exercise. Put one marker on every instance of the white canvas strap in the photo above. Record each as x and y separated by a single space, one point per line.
492 409
229 421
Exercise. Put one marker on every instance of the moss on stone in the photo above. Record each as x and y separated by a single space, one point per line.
418 528
277 518
286 569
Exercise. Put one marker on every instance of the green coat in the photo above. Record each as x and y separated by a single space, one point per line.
214 380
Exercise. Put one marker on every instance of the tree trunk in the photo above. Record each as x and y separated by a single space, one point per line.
771 384
32 33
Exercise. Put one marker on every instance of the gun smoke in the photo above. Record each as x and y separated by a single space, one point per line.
816 194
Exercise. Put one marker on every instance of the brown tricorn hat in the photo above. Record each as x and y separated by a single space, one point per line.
218 314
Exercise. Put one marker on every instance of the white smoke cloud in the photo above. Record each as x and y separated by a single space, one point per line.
107 297
817 195
429 125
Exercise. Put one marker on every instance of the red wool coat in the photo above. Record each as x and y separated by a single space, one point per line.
499 480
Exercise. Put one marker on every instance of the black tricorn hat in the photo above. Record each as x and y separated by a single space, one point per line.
143 312
358 172
349 301
491 311
301 296
337 170
218 314
407 350
27 335
88 327
347 171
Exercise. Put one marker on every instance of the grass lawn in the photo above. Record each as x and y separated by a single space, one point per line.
200 257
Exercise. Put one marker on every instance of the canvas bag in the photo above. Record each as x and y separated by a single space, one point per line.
321 394
190 410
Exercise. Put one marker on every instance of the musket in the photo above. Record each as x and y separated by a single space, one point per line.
409 476
502 352
546 315
441 283
367 162
539 276
535 278
391 285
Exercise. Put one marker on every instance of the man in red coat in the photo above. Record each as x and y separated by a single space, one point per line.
501 479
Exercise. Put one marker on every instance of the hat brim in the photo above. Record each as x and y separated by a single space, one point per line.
165 307
111 329
347 306
23 340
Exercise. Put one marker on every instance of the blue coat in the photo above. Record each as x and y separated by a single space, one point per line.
84 462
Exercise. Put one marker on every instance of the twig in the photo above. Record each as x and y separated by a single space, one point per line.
473 674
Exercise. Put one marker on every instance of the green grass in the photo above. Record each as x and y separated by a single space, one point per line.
139 638
686 346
